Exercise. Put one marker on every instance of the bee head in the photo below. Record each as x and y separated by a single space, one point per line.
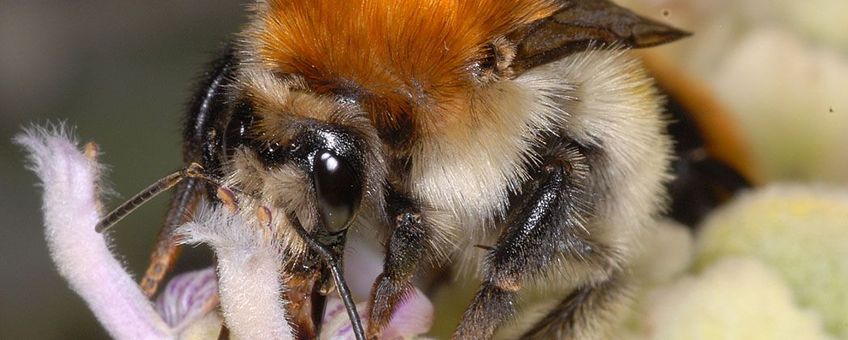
308 157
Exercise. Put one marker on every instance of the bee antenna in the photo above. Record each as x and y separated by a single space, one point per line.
335 269
194 170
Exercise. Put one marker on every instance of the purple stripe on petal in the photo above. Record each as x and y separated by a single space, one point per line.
334 307
187 297
346 330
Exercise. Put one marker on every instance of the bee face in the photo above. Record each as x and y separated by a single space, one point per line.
396 89
433 81
305 155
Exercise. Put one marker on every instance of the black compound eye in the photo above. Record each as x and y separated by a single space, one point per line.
338 187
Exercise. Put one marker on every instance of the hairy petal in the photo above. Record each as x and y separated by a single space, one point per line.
248 274
82 255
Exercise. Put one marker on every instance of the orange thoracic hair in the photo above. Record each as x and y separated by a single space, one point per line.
401 57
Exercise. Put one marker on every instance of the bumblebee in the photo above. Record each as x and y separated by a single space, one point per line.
523 127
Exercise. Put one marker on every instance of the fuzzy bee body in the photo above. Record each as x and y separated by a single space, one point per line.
522 126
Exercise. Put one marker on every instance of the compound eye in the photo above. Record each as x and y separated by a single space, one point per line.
338 188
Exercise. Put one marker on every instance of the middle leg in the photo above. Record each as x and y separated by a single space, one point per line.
545 237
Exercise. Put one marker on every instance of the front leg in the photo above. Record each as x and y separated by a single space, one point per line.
410 244
545 237
167 248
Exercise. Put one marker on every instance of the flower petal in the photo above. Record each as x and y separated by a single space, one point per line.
414 317
249 270
188 297
82 255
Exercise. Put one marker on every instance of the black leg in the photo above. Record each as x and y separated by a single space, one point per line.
545 236
409 244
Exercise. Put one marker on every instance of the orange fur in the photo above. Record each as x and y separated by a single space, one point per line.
405 59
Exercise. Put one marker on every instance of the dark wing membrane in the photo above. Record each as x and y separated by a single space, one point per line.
581 24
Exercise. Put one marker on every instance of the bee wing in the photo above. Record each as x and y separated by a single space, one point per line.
581 24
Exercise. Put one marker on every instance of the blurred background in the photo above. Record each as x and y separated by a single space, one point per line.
121 72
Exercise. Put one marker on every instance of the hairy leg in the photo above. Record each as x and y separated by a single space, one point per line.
545 237
411 241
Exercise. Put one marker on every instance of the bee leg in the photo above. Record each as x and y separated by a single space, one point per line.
409 243
544 237
581 311
166 250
